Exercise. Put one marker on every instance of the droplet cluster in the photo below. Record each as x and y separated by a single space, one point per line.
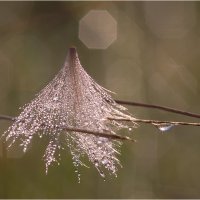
72 99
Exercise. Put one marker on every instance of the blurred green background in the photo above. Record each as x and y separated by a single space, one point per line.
154 58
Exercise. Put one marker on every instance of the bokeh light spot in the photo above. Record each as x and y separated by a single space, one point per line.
97 29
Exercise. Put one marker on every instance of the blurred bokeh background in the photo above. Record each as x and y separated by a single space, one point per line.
144 51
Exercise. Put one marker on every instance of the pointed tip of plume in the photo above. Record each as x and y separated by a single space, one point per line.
71 56
73 47
72 52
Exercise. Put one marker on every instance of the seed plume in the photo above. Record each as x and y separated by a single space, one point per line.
72 99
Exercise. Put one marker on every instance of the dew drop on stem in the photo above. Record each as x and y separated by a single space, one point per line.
164 127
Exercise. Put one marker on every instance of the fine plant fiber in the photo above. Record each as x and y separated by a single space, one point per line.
72 99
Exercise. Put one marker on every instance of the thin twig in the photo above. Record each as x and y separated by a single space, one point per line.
9 118
156 122
168 109
6 117
100 134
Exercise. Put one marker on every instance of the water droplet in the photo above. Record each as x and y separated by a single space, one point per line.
96 164
104 162
79 178
101 173
99 142
164 127
55 98
86 123
130 129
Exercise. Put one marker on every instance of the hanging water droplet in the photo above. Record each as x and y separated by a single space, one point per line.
96 164
130 129
79 177
24 149
101 173
164 127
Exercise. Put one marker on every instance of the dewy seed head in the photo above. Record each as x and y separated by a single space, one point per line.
72 99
